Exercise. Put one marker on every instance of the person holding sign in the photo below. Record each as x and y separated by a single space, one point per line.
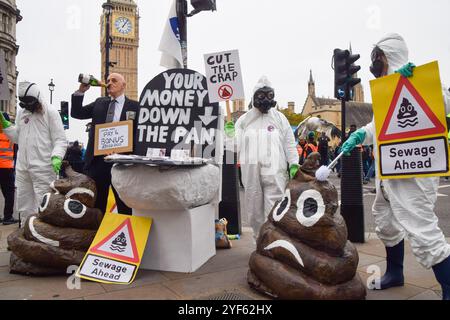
265 144
39 133
114 108
404 207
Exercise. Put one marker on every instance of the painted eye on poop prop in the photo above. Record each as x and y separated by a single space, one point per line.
59 235
302 250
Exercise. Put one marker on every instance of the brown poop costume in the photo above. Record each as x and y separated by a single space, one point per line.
61 233
302 250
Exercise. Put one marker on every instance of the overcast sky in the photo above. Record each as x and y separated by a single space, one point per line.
282 39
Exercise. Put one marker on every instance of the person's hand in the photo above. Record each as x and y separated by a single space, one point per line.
407 70
229 129
56 163
5 123
293 170
355 138
84 87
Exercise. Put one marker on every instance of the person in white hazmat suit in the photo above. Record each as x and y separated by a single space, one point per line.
265 145
404 207
39 133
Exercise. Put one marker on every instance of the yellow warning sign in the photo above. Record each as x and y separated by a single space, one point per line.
410 124
117 249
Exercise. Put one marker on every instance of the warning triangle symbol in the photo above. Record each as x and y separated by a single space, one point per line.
409 115
119 244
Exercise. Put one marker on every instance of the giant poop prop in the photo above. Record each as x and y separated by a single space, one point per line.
61 233
302 250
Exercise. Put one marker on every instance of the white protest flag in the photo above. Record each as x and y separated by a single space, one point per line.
170 44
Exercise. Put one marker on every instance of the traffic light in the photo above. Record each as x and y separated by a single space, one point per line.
204 5
65 114
344 69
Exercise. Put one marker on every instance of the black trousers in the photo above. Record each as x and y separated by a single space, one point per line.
100 172
8 191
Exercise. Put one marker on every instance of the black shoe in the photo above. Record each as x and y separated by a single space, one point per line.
1 220
10 221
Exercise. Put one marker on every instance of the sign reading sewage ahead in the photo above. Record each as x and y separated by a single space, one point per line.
175 114
410 124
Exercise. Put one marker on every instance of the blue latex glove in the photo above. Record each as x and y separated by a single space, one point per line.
56 163
355 138
293 170
229 129
5 123
407 70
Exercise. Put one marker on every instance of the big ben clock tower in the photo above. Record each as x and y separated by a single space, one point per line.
124 30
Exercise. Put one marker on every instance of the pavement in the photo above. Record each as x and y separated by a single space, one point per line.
222 277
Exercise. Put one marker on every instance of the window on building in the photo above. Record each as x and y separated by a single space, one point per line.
3 105
4 23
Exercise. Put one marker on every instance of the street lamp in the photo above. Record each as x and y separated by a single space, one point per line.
107 10
182 14
51 87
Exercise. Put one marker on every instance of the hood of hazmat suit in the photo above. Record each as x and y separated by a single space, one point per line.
395 50
40 136
265 144
405 206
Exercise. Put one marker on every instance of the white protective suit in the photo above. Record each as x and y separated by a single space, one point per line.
40 136
265 145
405 206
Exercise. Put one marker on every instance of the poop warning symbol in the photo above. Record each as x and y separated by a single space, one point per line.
225 92
409 116
119 244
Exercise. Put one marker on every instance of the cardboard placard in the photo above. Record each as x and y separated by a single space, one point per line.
410 123
224 76
175 114
114 137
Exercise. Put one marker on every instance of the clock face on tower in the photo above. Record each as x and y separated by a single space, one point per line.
123 25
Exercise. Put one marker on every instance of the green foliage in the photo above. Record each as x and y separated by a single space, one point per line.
293 118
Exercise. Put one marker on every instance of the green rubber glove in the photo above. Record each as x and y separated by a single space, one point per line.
355 138
5 123
293 170
56 163
406 70
229 129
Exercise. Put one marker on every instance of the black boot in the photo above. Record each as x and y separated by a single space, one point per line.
442 273
394 269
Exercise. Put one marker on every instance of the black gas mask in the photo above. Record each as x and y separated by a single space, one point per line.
29 102
378 64
263 99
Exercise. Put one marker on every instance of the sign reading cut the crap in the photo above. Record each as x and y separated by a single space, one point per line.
175 114
223 71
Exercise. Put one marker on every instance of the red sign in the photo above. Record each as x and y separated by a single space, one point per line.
119 244
414 118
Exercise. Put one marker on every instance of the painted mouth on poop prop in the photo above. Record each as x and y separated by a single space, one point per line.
302 249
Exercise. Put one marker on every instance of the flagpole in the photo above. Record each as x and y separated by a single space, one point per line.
182 20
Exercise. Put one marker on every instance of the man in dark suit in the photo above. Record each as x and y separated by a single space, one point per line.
114 108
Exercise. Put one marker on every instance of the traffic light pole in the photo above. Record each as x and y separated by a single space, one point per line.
182 21
352 205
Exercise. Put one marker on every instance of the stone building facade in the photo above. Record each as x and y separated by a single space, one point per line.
9 16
